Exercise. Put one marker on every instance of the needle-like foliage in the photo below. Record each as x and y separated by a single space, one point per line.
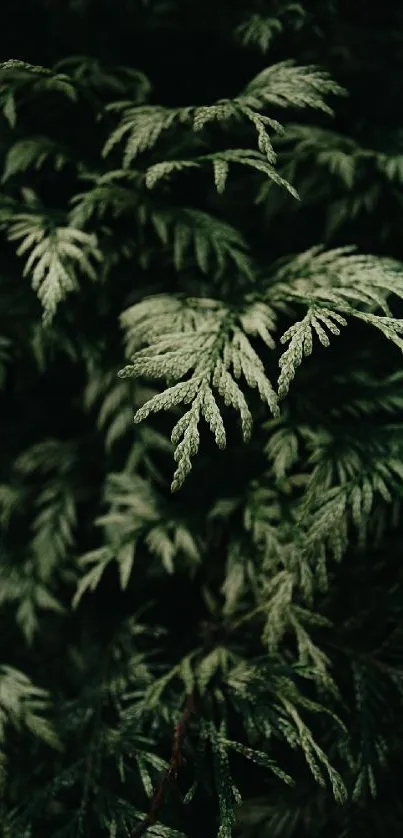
201 468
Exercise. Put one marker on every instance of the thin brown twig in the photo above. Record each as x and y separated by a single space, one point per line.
171 773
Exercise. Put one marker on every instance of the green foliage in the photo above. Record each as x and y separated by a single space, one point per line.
210 339
26 153
260 30
22 707
23 80
206 337
196 237
357 173
282 85
56 253
236 214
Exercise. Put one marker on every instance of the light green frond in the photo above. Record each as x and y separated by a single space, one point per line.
22 704
301 342
212 345
228 798
97 562
260 758
252 159
19 76
288 85
54 527
195 236
33 152
315 756
161 170
141 127
333 284
56 256
259 31
113 191
282 447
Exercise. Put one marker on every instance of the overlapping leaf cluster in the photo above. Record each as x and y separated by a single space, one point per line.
229 547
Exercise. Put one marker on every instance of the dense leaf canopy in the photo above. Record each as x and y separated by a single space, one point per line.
200 230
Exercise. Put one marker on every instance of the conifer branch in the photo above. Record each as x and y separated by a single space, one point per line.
98 199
